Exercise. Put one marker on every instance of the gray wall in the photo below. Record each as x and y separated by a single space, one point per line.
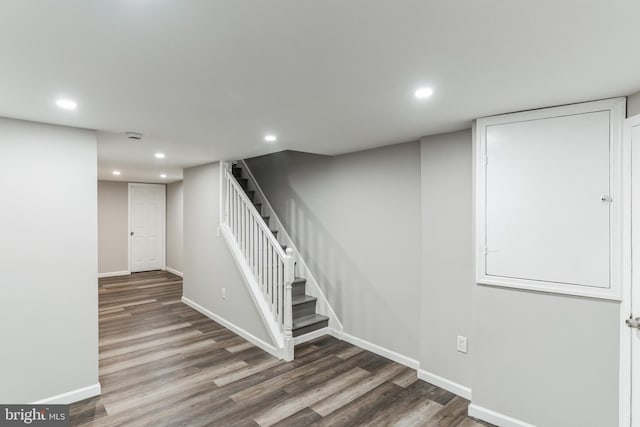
447 255
208 264
356 220
112 226
174 225
549 360
48 259
546 359
633 104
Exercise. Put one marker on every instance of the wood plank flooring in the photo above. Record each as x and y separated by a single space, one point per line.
164 364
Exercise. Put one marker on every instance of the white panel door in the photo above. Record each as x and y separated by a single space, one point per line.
634 131
146 227
545 217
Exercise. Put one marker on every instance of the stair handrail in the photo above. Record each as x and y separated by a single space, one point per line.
249 205
241 217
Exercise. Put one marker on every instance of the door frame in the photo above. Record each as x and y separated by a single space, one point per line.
129 223
631 264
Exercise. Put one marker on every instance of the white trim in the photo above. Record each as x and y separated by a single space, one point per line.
323 306
234 328
113 274
616 107
72 396
163 227
375 348
444 383
311 335
174 271
494 417
629 299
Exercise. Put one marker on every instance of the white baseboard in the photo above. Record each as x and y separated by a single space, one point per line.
71 396
444 383
113 274
174 271
236 329
375 348
494 417
312 335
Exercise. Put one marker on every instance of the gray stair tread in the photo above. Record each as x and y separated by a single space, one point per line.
302 299
309 320
299 280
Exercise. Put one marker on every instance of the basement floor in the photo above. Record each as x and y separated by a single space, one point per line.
164 364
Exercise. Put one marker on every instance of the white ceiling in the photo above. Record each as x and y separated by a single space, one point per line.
206 79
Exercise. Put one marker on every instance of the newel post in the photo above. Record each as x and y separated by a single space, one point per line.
289 276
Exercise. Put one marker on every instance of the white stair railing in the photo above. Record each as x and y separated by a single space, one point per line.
271 267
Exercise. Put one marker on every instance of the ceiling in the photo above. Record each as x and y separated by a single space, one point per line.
205 80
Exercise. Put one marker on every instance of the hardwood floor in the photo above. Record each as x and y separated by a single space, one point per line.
164 364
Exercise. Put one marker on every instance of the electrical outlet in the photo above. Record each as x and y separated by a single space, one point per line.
224 293
462 344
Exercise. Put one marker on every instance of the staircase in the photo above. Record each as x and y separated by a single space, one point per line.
269 267
303 306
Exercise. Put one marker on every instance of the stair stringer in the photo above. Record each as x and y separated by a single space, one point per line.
263 309
313 288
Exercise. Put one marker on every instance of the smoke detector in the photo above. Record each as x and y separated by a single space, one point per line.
136 136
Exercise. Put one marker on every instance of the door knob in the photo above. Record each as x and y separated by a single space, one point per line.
633 323
132 233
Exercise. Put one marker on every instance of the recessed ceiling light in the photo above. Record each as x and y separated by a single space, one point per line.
66 104
163 175
270 138
159 155
116 172
423 92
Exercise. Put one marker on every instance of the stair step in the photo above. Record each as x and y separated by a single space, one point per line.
302 299
258 207
303 305
275 233
236 171
251 195
299 287
266 219
243 183
284 247
309 323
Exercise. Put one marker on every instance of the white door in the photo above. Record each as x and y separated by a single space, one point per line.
632 131
146 227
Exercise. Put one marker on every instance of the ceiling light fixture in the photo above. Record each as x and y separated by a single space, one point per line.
423 92
116 172
270 138
66 104
159 155
163 175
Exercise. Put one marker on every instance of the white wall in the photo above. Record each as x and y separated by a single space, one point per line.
633 104
113 228
48 259
447 255
208 263
356 220
174 225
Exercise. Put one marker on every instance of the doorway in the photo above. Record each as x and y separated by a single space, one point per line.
147 217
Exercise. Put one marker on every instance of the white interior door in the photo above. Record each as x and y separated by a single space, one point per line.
632 130
146 227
